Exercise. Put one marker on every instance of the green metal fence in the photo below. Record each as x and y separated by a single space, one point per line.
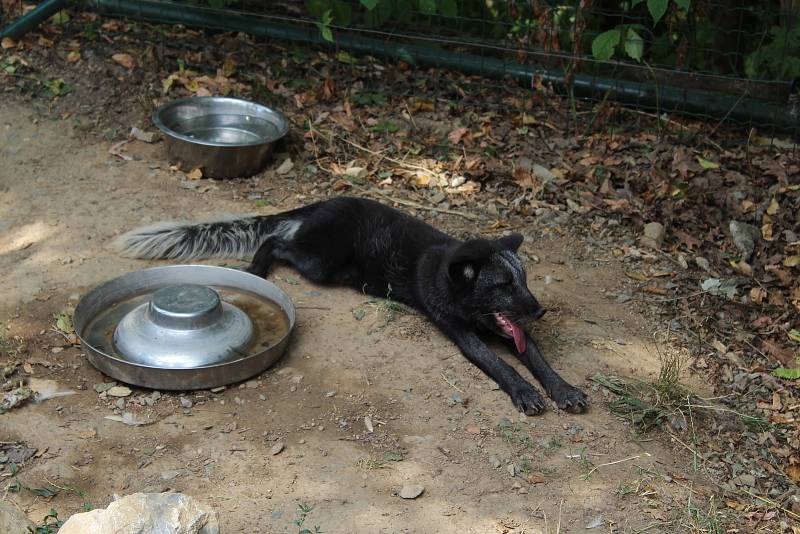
734 61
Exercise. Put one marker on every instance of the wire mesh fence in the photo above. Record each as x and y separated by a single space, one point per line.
735 61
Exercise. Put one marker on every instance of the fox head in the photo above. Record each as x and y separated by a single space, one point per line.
489 281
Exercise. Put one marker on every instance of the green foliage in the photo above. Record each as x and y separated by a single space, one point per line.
789 373
606 44
302 515
778 58
663 33
50 524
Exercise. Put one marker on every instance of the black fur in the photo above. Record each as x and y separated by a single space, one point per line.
459 285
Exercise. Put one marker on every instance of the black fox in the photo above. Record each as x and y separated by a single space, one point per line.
467 288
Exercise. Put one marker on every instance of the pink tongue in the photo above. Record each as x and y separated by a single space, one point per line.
519 337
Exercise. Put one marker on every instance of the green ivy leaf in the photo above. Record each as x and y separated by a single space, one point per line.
327 34
369 4
634 45
685 4
603 45
790 373
706 164
657 9
636 3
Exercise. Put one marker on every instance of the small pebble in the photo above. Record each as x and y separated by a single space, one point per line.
118 391
277 448
186 403
411 491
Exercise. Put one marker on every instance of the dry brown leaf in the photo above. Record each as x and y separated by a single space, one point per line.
456 135
655 290
7 43
126 60
773 207
536 478
766 231
794 472
73 56
526 180
783 355
791 261
743 267
758 294
194 174
228 67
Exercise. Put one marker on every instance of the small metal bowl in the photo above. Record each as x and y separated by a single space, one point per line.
225 137
184 327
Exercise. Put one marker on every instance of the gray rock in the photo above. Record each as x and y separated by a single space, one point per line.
411 491
144 513
12 521
186 403
653 235
169 475
745 236
512 469
494 462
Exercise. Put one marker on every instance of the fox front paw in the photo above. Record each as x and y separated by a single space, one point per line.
570 399
527 400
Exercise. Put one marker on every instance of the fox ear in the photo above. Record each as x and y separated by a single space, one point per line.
511 242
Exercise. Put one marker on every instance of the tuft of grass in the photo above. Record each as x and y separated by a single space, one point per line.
378 463
647 405
698 520
384 310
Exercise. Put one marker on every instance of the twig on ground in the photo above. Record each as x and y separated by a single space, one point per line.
451 383
595 468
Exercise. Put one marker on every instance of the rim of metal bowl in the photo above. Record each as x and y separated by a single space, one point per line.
109 283
282 123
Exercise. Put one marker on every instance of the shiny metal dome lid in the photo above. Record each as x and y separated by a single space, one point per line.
183 326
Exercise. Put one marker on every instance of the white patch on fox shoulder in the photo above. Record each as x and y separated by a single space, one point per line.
469 272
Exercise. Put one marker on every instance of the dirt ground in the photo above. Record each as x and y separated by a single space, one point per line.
63 198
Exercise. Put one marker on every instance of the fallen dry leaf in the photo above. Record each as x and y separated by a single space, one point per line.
794 472
456 135
773 207
7 43
536 478
126 60
791 261
766 231
195 174
73 56
758 294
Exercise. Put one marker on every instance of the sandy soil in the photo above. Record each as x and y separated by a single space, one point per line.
63 197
